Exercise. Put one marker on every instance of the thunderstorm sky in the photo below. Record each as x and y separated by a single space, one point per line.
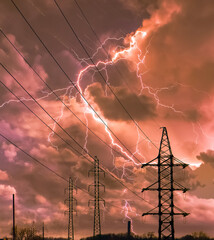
152 65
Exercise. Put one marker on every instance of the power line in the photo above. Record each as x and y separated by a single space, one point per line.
40 118
82 97
39 162
52 91
36 160
103 78
70 79
106 52
106 170
55 95
123 108
98 69
46 111
48 168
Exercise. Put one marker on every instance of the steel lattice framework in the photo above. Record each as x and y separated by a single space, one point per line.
165 185
70 201
97 199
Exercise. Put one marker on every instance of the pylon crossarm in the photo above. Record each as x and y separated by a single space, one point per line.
165 189
101 185
144 189
180 210
164 165
145 214
150 212
184 214
149 163
181 162
182 188
149 189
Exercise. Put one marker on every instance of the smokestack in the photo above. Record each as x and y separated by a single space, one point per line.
14 225
129 229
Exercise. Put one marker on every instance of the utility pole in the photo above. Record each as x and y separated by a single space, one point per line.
14 224
70 201
43 231
166 185
97 199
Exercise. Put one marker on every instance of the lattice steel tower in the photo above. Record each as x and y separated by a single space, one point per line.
97 199
70 201
165 185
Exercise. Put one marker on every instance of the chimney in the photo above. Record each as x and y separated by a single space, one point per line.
129 229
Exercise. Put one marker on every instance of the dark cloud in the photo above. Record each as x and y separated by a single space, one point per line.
141 7
202 77
181 53
141 108
207 157
193 115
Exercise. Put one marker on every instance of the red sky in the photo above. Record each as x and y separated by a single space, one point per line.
158 61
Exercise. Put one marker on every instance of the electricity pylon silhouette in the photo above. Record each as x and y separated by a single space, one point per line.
33 230
70 201
97 199
165 185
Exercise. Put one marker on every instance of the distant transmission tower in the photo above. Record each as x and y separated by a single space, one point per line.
70 201
97 199
165 185
33 230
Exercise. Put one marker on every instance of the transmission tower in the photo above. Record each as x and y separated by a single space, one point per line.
97 199
165 185
33 230
70 201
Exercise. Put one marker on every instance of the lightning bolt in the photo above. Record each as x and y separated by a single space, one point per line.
127 209
117 54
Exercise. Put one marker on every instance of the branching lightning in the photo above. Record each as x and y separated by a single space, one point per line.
119 53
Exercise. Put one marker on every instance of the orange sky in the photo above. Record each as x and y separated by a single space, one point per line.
157 60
